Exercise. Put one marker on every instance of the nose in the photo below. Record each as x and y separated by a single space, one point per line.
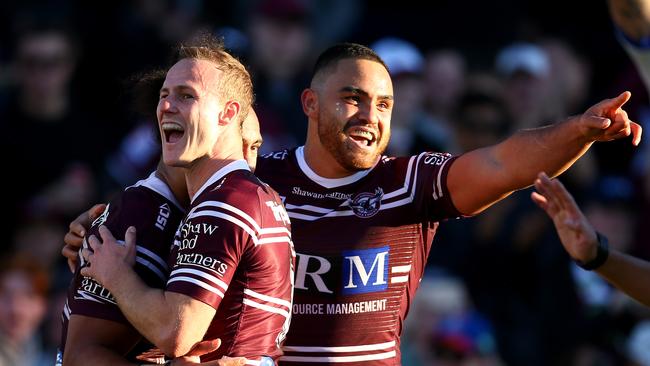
369 114
167 105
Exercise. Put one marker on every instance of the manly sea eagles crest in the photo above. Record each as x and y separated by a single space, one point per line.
367 204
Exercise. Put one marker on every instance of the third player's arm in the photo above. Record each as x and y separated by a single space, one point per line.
482 177
94 341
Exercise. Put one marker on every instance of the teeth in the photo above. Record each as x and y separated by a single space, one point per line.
364 134
168 126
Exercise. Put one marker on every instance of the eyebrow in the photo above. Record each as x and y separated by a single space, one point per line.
179 88
359 91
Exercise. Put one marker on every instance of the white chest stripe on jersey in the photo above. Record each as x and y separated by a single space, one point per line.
198 273
268 298
255 297
246 217
268 308
408 188
264 234
387 347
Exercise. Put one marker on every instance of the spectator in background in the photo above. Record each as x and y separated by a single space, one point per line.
525 69
632 18
405 62
23 299
445 77
445 328
42 118
280 41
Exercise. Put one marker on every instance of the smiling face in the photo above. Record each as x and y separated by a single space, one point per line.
188 112
354 101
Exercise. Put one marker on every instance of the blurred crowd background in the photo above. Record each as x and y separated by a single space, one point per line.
499 288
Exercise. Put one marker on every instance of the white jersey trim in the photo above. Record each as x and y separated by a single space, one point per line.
268 298
268 308
408 186
364 347
207 276
246 228
231 167
198 283
159 186
337 359
328 182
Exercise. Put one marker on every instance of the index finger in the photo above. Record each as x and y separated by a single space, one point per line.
637 131
619 101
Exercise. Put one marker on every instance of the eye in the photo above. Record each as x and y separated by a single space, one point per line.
384 105
255 147
187 96
352 99
162 96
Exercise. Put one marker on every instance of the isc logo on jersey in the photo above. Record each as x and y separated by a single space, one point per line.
362 271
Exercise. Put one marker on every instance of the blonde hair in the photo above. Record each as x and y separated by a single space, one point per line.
236 82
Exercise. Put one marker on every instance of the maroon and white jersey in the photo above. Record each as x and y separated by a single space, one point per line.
150 206
233 252
362 243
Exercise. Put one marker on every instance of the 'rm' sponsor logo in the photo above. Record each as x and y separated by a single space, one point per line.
365 270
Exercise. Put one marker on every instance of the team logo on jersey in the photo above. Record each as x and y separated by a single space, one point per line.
365 270
102 218
367 204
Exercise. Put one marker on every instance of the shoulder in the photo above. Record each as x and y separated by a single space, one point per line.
407 164
242 194
269 164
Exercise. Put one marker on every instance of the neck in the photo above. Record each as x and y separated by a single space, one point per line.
323 163
202 170
175 179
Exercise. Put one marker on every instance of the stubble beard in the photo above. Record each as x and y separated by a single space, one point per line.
335 142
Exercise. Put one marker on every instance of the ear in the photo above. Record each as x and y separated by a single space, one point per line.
309 99
230 113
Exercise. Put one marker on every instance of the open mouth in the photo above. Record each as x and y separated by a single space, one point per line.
172 131
362 136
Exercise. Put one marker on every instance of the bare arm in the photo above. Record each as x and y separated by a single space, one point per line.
484 176
632 17
173 322
93 341
630 275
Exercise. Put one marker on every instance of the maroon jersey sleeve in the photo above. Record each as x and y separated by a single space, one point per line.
155 219
222 230
432 196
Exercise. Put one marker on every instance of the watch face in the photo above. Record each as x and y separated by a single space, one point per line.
266 361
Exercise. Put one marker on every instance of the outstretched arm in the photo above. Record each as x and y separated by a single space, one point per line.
630 275
484 176
172 321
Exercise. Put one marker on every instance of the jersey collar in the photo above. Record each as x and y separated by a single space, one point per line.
231 167
159 186
328 182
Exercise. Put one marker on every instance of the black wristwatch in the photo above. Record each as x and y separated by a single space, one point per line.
602 252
